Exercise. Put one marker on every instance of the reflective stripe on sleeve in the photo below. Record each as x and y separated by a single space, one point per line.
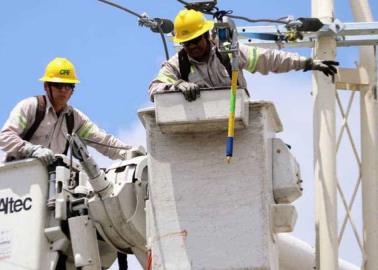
23 122
86 130
20 121
165 78
252 59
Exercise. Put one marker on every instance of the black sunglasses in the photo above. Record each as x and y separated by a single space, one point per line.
60 86
194 41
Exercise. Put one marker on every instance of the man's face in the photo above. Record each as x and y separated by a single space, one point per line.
60 93
196 48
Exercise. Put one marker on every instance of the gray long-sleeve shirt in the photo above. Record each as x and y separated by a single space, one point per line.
52 131
213 73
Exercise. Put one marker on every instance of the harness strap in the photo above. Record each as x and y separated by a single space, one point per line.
226 62
39 116
184 63
70 122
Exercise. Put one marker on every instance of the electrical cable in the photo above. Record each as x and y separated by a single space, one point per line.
164 43
210 9
121 7
161 25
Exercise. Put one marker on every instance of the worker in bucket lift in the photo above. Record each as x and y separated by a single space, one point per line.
200 65
38 126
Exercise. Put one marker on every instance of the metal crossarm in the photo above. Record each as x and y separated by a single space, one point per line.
346 34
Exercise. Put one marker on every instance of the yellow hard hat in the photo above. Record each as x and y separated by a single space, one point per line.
60 70
190 24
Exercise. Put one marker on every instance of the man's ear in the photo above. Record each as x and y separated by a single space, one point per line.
46 86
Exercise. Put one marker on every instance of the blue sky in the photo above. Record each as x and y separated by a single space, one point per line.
116 59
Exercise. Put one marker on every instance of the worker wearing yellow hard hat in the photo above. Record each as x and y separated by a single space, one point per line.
59 74
60 70
38 126
199 64
190 24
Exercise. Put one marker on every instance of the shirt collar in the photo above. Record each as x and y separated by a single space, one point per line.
211 54
49 106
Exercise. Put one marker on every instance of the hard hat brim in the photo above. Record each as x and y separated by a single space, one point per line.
207 26
58 80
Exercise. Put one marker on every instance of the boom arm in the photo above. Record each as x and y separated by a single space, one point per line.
96 176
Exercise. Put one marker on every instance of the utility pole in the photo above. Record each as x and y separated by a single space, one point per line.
363 33
324 92
369 141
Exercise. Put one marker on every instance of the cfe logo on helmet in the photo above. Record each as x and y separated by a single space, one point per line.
64 72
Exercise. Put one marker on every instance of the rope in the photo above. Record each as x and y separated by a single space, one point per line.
107 145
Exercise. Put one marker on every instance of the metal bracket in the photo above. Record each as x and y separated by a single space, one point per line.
337 26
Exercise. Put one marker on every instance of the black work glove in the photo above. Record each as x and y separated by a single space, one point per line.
190 90
328 67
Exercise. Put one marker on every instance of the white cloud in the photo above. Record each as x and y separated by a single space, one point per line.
135 135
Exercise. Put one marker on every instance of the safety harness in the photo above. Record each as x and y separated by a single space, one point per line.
184 63
40 115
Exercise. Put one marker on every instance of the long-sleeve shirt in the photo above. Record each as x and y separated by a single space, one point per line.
212 73
52 131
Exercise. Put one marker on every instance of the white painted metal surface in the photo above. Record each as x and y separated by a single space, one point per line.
286 174
23 213
84 243
204 213
120 216
208 113
325 147
296 254
284 217
369 139
351 78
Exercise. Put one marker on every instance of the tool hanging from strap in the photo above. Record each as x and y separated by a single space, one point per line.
227 44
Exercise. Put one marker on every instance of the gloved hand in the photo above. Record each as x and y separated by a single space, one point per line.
190 90
133 152
45 155
325 66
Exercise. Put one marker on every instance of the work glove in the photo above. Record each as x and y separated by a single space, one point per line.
328 67
45 155
132 153
190 90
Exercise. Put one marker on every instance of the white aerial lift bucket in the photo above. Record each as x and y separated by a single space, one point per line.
23 213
